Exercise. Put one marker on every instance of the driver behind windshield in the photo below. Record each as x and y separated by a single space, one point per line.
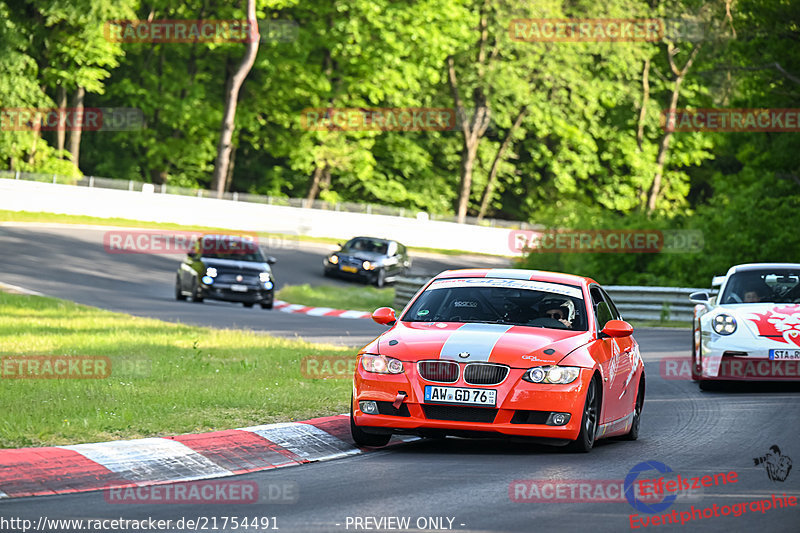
561 310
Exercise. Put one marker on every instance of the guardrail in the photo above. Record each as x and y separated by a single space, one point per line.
345 207
636 303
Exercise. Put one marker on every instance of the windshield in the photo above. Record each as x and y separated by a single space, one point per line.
776 285
362 244
501 301
232 249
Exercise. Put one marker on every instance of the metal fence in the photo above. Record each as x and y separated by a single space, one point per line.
347 207
635 303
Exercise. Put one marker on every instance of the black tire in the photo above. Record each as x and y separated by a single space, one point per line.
266 305
327 273
178 292
633 434
362 438
696 376
247 304
380 278
709 385
591 414
196 295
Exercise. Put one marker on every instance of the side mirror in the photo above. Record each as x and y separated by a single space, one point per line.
700 298
385 316
271 260
617 328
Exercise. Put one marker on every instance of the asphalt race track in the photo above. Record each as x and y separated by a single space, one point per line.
450 484
72 264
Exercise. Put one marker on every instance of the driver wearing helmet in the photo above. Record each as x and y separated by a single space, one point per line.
559 309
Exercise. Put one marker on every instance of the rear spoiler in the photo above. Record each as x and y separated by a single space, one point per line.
717 281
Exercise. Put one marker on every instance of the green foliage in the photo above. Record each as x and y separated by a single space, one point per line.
584 156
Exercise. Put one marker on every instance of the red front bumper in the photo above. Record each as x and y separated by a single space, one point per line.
513 395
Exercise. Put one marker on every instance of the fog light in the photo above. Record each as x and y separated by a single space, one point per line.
368 407
558 419
268 285
208 280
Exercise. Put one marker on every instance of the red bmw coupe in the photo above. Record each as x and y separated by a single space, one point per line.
494 352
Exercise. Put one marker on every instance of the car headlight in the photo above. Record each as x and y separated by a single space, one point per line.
723 324
334 260
560 375
208 280
367 265
380 364
264 276
212 272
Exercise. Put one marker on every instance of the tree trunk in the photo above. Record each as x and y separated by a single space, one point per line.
663 149
75 134
231 100
313 190
61 132
487 193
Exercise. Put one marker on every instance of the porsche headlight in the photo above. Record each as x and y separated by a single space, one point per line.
334 260
212 272
367 265
263 276
723 324
560 375
380 364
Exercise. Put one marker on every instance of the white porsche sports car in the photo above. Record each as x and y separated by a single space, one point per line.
751 329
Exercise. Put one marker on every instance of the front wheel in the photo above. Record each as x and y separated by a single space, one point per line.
197 296
633 434
247 304
380 278
591 412
265 305
363 438
178 292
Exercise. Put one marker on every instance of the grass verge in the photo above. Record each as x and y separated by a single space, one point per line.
357 298
165 378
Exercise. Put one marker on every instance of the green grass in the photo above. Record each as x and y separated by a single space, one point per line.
177 379
357 298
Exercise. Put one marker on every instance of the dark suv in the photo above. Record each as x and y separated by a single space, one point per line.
372 260
229 268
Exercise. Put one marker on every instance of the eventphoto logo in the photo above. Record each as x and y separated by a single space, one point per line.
378 119
71 119
731 120
585 30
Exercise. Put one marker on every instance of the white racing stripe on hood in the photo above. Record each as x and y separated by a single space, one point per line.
476 339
